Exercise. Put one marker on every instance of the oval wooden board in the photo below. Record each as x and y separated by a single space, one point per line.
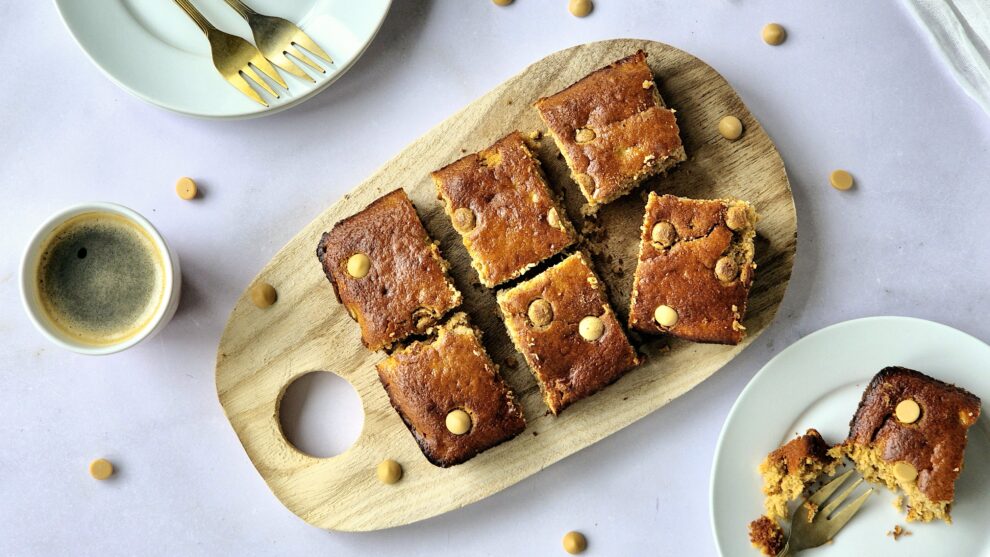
263 351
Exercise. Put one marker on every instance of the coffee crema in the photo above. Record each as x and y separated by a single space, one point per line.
101 278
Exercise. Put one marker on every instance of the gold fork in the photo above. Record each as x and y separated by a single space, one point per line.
235 58
277 37
813 525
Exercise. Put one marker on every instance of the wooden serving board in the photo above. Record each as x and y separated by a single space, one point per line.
263 351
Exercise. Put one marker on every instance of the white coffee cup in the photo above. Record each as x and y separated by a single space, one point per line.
172 280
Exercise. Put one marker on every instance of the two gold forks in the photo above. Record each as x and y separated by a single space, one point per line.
236 59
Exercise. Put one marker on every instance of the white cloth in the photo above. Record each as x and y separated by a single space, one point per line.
961 31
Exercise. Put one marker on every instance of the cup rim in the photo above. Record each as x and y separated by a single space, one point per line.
28 271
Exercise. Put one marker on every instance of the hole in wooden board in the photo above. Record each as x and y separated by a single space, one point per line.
320 414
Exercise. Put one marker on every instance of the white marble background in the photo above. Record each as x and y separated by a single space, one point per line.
855 86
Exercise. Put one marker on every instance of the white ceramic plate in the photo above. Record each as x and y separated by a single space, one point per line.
153 49
817 382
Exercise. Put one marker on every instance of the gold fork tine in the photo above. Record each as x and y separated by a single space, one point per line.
284 62
828 489
278 39
262 64
304 59
837 500
249 73
840 518
233 56
303 40
242 86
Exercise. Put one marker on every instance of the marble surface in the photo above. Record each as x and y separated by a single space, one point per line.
855 86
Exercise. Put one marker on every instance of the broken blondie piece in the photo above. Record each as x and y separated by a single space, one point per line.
909 433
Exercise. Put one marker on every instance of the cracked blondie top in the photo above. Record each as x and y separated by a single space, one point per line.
695 269
613 129
500 204
427 380
387 272
561 322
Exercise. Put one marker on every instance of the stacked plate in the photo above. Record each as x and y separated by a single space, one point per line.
155 51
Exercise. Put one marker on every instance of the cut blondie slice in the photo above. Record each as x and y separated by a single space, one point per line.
500 204
695 269
387 271
562 323
909 432
613 129
427 381
789 469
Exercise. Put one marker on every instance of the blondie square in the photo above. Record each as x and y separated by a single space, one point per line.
613 129
387 271
561 322
499 202
909 432
695 269
427 380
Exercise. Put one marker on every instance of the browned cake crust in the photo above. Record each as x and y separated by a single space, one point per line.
427 380
767 536
407 289
935 443
566 366
507 217
789 469
635 136
684 275
794 454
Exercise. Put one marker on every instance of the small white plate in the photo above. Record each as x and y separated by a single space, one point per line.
817 382
153 49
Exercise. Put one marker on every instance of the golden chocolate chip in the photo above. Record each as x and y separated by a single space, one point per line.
389 471
464 219
574 542
840 179
907 411
458 422
263 294
726 268
358 265
664 234
774 34
591 328
553 219
186 188
665 316
584 135
905 472
101 469
540 312
737 218
580 8
730 127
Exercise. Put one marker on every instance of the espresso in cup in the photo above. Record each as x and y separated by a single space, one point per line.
100 278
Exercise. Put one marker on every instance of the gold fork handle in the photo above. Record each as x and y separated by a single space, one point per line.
196 16
241 8
786 552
